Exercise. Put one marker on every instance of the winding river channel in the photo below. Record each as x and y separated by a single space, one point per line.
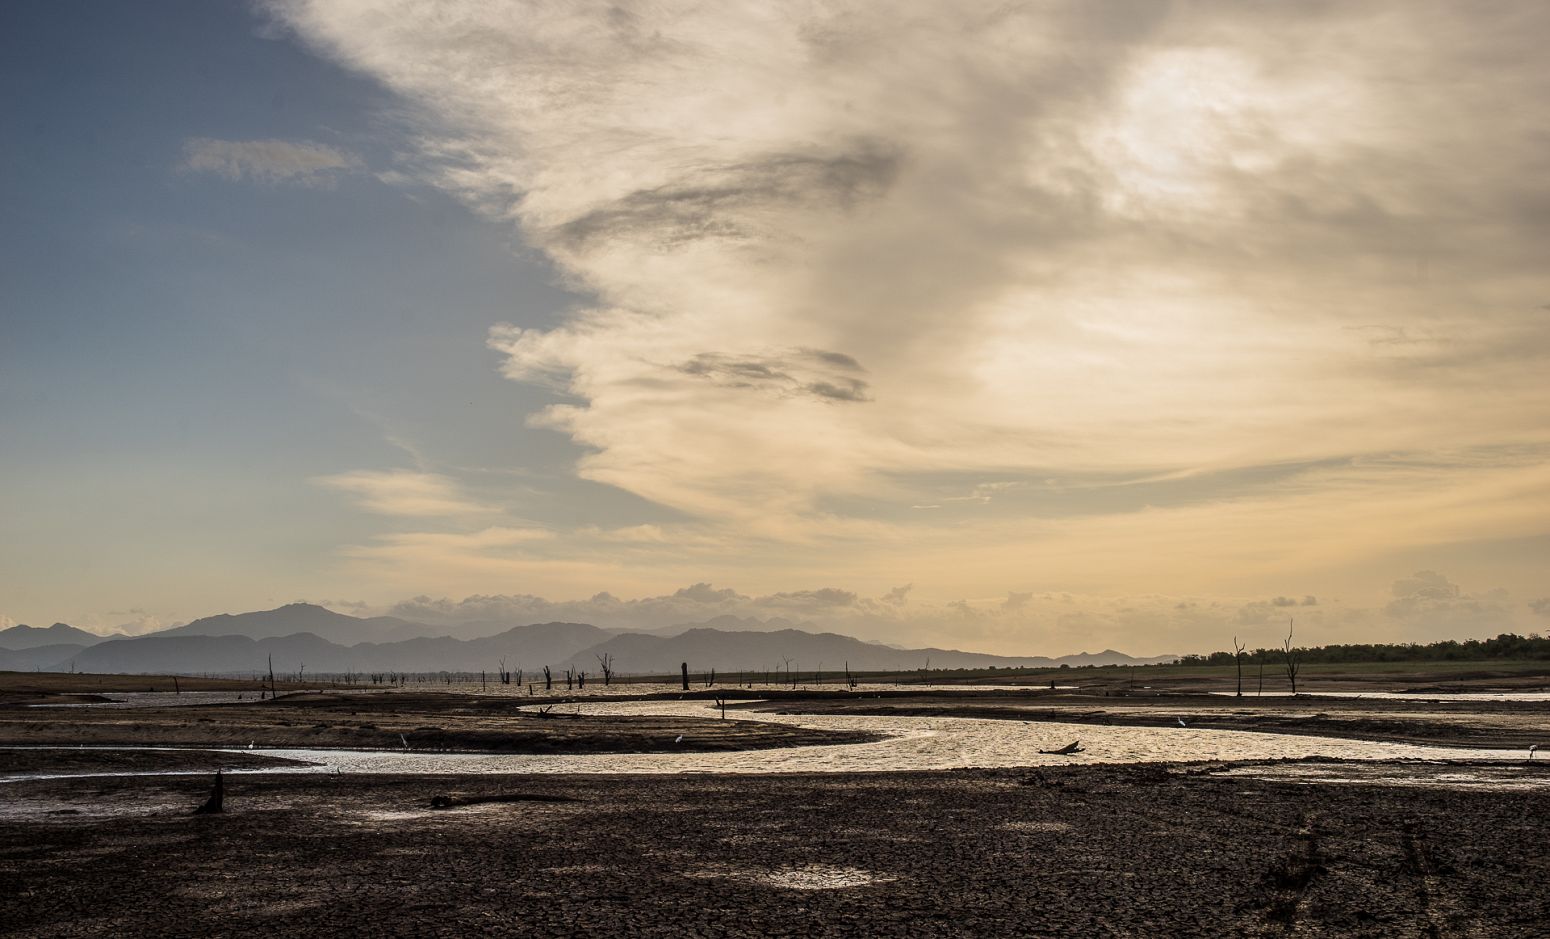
912 743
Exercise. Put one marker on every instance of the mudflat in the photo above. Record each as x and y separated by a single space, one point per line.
1069 851
390 720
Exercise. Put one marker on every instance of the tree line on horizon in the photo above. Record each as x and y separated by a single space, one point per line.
1505 646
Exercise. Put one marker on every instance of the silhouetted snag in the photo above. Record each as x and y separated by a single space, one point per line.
1237 657
606 662
721 702
684 668
1070 748
548 679
1292 665
217 797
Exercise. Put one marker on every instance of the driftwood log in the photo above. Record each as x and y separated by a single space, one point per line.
1072 747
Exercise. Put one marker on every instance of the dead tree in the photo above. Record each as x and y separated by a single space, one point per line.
721 702
548 679
505 675
606 663
217 798
570 679
1260 655
683 668
1292 665
581 679
271 676
1237 657
711 678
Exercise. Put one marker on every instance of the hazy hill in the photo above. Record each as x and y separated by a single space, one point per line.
31 637
305 636
526 647
296 618
159 653
705 647
39 658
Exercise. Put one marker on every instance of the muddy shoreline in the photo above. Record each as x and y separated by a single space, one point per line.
436 721
1070 851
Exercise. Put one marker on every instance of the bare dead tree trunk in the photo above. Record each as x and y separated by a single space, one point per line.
1292 665
271 676
1237 657
684 668
217 798
606 663
548 679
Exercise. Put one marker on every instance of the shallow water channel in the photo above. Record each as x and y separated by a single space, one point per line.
914 743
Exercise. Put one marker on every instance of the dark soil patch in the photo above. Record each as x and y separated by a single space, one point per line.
1076 851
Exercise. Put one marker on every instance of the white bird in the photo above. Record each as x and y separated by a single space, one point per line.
1181 722
680 739
250 744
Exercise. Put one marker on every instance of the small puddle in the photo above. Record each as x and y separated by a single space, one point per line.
804 877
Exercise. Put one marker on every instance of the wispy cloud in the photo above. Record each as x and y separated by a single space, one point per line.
297 162
403 492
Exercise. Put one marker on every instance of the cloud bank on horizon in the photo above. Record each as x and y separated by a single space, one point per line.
1126 298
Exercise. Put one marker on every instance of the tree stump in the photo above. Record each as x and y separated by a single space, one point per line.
217 796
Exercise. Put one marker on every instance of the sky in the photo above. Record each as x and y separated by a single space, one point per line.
1023 328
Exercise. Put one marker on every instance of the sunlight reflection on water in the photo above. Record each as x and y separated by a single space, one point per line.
915 743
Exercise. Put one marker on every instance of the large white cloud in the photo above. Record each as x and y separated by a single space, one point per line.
841 249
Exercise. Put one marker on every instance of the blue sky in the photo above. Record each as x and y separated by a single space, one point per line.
183 351
1031 329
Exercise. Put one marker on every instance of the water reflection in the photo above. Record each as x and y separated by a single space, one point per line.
915 743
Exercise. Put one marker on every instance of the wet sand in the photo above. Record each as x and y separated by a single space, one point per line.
1074 851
